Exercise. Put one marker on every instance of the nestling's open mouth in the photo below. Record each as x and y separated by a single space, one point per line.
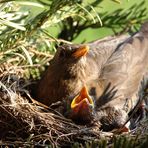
83 99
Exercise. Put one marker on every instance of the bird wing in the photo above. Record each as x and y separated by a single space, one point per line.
99 53
126 68
102 49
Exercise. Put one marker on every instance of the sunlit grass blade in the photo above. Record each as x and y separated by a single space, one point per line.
27 55
11 24
97 15
117 1
87 12
30 4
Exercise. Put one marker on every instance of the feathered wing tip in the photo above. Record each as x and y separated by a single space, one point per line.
138 112
144 29
143 86
142 90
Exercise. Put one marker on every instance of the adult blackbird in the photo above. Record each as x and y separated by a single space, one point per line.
119 83
73 66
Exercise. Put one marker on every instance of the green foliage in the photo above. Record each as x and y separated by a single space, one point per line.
26 26
126 20
22 28
123 141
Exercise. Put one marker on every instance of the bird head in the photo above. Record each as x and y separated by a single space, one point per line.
82 107
68 69
71 52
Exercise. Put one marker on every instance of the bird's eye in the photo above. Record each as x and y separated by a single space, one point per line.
69 48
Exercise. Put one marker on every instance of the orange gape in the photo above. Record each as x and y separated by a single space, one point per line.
82 107
81 101
82 98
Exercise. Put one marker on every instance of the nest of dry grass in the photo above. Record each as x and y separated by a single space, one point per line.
25 124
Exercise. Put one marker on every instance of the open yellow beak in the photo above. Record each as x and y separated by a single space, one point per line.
83 99
81 51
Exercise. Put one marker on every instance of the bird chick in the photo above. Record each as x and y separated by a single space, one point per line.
82 108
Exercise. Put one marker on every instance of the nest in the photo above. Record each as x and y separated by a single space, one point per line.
23 123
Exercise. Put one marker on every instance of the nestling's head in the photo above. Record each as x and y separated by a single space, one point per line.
82 108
